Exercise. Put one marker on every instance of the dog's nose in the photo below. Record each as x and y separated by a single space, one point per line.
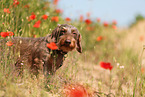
68 41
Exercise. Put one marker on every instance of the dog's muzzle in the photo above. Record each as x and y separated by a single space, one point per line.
67 43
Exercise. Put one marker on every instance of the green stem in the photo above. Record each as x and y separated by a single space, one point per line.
110 82
135 85
140 62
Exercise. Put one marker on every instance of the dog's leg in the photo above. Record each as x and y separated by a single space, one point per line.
46 60
19 66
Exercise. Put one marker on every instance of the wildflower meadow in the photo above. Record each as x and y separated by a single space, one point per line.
112 62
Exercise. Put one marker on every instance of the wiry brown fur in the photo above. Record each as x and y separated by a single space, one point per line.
37 56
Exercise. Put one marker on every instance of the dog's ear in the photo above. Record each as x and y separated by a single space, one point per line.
79 47
55 33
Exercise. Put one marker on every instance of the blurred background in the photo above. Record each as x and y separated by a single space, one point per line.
123 11
112 63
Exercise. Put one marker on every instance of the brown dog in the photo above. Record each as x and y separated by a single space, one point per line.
37 56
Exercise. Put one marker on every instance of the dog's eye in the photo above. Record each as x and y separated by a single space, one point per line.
74 33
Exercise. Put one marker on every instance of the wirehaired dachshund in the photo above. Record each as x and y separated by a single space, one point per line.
35 55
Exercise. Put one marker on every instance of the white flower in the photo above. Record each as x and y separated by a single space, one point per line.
121 67
118 64
22 64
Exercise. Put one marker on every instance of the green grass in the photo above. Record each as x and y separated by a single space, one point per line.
81 69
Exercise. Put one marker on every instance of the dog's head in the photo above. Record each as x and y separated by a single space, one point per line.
67 38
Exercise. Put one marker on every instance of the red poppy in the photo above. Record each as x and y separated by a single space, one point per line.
88 28
76 91
105 24
37 24
16 2
10 33
52 46
4 34
106 65
44 17
114 26
81 18
68 19
88 21
114 22
26 6
9 43
110 67
58 11
6 10
142 70
98 20
55 19
99 38
34 36
55 2
141 38
32 17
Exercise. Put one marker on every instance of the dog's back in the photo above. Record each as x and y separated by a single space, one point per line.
29 51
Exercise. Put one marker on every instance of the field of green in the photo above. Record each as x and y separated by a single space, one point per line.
82 75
